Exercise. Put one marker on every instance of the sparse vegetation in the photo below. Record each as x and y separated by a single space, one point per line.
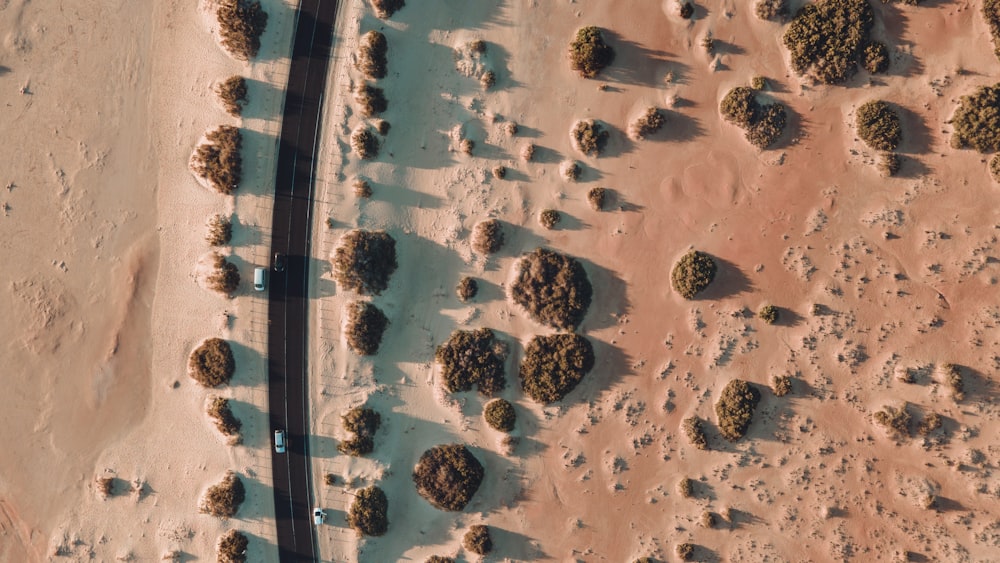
241 23
364 143
371 99
588 52
218 160
105 486
549 218
386 8
826 38
553 288
220 230
952 378
597 198
781 385
875 57
889 164
363 422
528 152
879 126
371 59
977 120
368 514
510 128
212 364
692 274
695 432
708 44
589 137
991 13
735 409
685 487
771 9
232 547
448 476
762 124
224 277
687 10
224 498
685 551
930 423
554 365
895 420
365 325
500 415
768 314
364 261
362 189
708 519
488 236
472 358
467 289
500 172
478 540
225 421
488 79
571 170
232 93
648 123
466 146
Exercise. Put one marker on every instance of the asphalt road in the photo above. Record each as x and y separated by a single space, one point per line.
288 295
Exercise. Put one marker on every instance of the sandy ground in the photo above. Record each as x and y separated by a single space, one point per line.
904 271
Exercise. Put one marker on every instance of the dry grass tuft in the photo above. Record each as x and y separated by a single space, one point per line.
219 161
371 57
224 498
364 143
233 94
695 431
500 415
241 23
646 124
225 276
225 421
386 8
220 230
371 99
589 137
693 273
488 236
467 289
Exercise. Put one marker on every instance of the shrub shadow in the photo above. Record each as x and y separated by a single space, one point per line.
568 222
916 135
500 58
545 155
260 95
647 66
611 364
514 546
788 318
679 128
247 361
610 300
729 281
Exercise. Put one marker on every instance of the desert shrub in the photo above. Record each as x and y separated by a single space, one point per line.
685 551
232 547
588 52
554 365
488 236
826 38
687 10
371 99
695 432
762 124
571 170
330 479
224 277
528 152
386 8
758 83
991 13
500 172
589 137
472 357
930 423
218 160
467 289
220 230
363 422
895 420
781 385
362 189
225 421
995 167
952 377
368 514
553 288
241 23
212 364
448 476
889 164
597 198
478 540
875 57
224 498
364 261
500 415
365 325
549 218
768 314
105 486
365 143
647 124
370 58
708 519
739 106
357 446
735 409
768 128
233 94
685 487
466 146
692 274
771 9
439 559
510 128
488 79
708 44
878 125
382 127
977 120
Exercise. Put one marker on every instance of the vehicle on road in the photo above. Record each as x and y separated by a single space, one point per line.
258 278
279 262
279 441
319 516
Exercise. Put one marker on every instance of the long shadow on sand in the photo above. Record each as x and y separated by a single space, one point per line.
646 67
729 282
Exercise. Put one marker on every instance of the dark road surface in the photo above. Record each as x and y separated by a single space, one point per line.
288 294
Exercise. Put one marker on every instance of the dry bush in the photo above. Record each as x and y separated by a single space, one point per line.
739 106
781 385
365 325
589 137
470 358
977 120
224 498
233 94
991 13
368 514
382 126
364 261
768 314
646 124
895 420
510 128
758 83
362 189
553 288
220 230
708 43
771 9
879 125
466 146
488 79
571 170
500 415
225 276
826 38
762 124
386 8
889 164
371 59
241 23
685 487
478 540
448 476
554 365
735 409
588 52
362 422
212 364
930 423
951 376
232 547
488 236
218 160
549 218
500 172
528 152
371 99
225 421
995 167
105 486
692 274
685 551
695 432
687 10
598 198
708 519
364 143
875 57
329 479
439 559
467 289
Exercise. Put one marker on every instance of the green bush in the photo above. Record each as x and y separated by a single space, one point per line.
588 52
875 57
241 23
220 230
549 218
478 540
589 137
386 8
768 314
826 38
991 13
554 365
233 94
472 358
735 409
598 198
363 422
368 514
895 420
448 476
365 325
692 274
771 9
647 124
553 288
232 547
977 120
218 160
371 99
500 415
224 277
695 432
879 125
371 58
224 498
225 421
467 289
364 261
781 385
364 143
488 236
212 364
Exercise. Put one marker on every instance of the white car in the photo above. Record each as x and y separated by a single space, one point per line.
279 441
319 516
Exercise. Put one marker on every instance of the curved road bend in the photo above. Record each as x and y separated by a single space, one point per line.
288 294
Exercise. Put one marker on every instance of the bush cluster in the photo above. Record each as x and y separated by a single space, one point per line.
225 276
241 23
364 143
597 198
588 52
371 99
554 365
386 8
220 230
362 422
488 236
762 124
478 540
977 120
365 325
879 125
225 421
781 385
692 274
647 124
875 57
448 476
895 420
218 160
991 12
224 498
500 415
371 58
369 513
735 409
549 218
553 288
589 137
212 364
233 94
768 314
232 547
695 432
467 289
771 9
364 261
472 357
826 38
